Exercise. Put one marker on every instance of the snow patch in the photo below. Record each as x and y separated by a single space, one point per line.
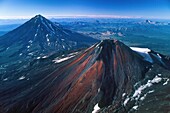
48 40
7 48
123 94
31 54
98 90
159 56
126 101
5 79
21 78
135 107
47 35
165 83
156 79
57 60
30 41
44 56
20 54
96 108
143 52
35 35
38 57
151 91
97 46
159 74
140 89
120 34
142 98
138 92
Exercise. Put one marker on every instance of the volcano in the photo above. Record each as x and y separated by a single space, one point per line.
39 37
108 77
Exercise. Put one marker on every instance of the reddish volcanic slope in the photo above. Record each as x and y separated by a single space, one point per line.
100 74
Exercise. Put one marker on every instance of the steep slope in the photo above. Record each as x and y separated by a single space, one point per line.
39 37
108 77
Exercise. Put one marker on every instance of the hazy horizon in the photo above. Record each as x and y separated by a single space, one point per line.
82 16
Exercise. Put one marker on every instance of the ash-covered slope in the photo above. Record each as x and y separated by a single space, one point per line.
108 77
39 36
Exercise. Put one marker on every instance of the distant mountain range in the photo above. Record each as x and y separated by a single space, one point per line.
108 77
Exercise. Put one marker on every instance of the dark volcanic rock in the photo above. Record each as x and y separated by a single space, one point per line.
107 74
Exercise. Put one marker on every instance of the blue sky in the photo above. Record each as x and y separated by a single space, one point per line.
120 8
